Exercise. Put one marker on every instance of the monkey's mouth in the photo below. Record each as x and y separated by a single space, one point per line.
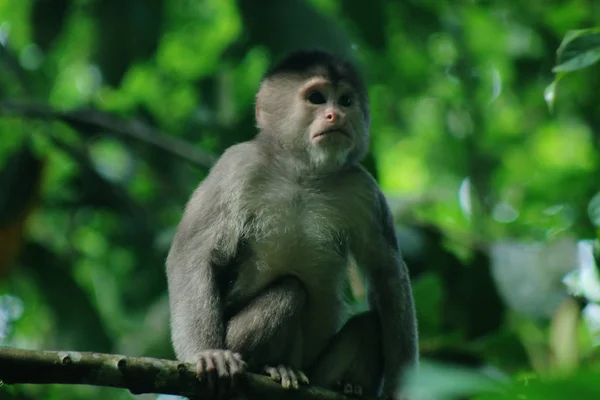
332 131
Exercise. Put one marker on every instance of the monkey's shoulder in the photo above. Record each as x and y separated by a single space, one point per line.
216 204
359 178
357 187
237 164
229 179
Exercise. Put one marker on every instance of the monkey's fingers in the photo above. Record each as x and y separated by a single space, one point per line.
238 357
210 375
236 366
201 368
350 389
287 377
293 378
297 377
223 377
235 363
220 363
358 390
204 375
303 378
284 372
272 372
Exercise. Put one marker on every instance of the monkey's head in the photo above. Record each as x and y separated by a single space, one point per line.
315 105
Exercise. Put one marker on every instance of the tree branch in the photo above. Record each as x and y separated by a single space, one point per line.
138 374
101 120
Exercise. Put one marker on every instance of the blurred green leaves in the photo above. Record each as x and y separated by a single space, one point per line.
128 103
579 49
444 382
594 210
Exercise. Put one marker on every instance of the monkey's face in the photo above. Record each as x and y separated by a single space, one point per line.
321 119
330 121
327 113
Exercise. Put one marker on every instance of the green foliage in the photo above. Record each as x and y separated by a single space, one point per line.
120 107
579 49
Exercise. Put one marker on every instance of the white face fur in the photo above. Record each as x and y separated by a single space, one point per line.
312 116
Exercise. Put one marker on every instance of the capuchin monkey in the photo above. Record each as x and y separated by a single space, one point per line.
258 267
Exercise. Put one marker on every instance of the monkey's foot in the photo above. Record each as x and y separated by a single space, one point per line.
288 377
349 389
219 370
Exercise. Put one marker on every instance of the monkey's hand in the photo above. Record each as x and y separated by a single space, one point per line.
349 389
288 377
219 371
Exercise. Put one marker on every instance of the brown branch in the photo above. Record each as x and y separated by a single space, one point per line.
138 374
102 120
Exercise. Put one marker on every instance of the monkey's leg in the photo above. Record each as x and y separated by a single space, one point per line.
353 358
267 333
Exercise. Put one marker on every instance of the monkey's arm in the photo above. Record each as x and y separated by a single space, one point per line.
390 295
196 310
203 242
206 242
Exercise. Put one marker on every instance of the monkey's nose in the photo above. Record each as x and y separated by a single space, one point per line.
331 116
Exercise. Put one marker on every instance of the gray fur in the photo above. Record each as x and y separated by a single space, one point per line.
259 261
270 337
353 356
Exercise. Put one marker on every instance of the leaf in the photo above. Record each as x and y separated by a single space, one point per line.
551 90
594 210
563 335
578 50
444 381
429 294
584 281
583 385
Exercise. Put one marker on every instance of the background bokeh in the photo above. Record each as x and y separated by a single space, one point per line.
112 111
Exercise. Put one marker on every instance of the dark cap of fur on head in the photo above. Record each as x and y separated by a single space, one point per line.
319 62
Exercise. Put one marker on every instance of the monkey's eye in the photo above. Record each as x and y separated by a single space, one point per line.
316 98
345 100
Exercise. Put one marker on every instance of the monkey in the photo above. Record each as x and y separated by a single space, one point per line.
257 269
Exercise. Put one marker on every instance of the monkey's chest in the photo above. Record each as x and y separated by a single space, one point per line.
301 236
